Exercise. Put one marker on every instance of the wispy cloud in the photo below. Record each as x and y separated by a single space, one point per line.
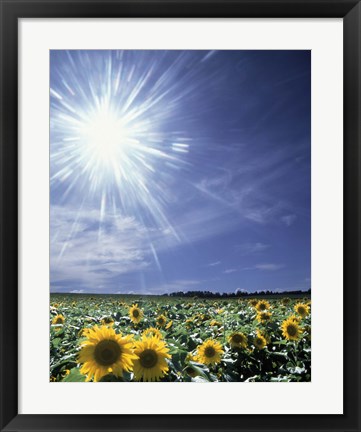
240 290
221 181
250 191
91 255
265 267
251 248
231 270
288 220
262 214
213 264
269 267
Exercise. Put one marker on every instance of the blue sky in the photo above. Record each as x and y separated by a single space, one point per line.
179 171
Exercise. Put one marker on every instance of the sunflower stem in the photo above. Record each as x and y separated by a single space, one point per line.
295 347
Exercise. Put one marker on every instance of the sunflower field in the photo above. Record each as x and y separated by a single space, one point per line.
128 338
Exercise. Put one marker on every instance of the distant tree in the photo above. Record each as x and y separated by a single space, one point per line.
210 294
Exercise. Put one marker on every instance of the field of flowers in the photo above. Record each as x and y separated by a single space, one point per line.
124 338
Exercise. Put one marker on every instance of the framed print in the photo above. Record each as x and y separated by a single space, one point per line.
180 218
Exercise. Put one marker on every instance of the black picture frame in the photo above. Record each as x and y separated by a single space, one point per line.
11 11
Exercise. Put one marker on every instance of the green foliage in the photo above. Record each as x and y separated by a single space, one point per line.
193 322
74 376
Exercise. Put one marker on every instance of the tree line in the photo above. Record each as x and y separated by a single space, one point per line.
203 294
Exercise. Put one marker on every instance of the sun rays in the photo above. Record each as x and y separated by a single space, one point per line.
109 136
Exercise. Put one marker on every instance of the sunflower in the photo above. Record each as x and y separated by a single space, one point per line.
215 323
107 321
189 324
253 302
190 357
263 316
169 325
290 329
286 301
105 352
259 341
135 314
152 331
65 373
209 352
58 319
191 371
238 340
83 332
161 320
151 364
302 309
262 305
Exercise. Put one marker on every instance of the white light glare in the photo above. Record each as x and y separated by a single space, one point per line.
104 139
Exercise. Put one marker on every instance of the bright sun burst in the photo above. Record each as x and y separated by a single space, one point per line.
117 137
108 140
105 143
106 137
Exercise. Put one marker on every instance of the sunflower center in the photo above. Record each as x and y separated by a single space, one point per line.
259 342
59 320
262 307
148 358
301 310
135 313
161 321
209 352
190 371
107 352
291 330
237 338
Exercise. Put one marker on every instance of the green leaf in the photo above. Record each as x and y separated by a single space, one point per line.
56 342
74 376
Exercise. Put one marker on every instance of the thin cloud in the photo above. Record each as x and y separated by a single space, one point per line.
213 264
262 214
251 248
265 267
231 270
269 267
240 290
90 255
288 220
